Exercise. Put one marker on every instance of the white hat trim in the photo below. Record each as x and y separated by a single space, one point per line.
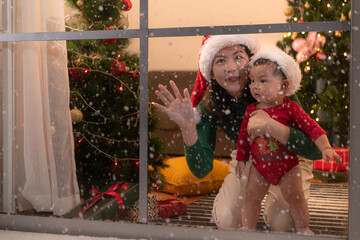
287 65
215 43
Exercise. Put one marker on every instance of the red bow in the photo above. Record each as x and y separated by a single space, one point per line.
98 195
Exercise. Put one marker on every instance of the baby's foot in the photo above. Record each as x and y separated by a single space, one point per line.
305 231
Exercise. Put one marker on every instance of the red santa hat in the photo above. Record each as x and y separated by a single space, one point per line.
286 63
210 46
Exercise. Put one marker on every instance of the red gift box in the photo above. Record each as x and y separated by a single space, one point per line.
332 166
171 207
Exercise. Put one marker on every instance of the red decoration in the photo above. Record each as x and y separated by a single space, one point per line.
307 47
320 56
73 73
118 68
332 166
127 5
98 195
133 75
171 207
301 21
113 40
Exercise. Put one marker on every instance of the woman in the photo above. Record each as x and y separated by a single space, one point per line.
219 98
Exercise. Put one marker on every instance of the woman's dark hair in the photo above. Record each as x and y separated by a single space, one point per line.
218 100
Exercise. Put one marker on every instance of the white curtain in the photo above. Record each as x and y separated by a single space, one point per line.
45 171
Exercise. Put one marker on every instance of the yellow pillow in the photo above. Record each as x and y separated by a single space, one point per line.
182 182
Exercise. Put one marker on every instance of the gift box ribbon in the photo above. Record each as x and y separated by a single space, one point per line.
98 195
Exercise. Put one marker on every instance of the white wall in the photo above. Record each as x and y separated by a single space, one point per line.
182 53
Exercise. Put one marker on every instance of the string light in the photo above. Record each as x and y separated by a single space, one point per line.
317 119
312 111
328 5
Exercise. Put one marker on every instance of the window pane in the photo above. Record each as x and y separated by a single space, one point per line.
324 97
76 128
191 13
73 15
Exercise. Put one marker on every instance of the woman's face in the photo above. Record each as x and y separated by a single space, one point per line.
230 69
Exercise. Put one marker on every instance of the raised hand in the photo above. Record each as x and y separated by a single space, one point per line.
178 108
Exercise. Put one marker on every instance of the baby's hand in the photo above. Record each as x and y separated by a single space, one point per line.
330 153
240 170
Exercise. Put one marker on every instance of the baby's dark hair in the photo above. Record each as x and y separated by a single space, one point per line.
277 69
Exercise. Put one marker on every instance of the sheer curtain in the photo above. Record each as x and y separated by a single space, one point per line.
45 176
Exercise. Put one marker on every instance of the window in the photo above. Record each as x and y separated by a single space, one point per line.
148 36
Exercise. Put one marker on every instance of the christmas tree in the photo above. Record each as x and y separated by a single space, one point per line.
104 83
324 61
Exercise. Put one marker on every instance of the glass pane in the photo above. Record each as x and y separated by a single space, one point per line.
74 15
190 13
76 129
324 98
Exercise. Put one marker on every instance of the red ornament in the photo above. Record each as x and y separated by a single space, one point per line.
320 56
113 40
301 21
127 5
118 68
133 75
73 73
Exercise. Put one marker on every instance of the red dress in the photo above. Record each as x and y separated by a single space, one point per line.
269 156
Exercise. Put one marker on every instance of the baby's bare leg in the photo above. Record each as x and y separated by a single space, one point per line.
255 191
292 191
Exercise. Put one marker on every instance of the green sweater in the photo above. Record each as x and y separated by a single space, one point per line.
200 156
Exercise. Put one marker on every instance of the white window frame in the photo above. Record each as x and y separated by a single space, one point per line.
11 221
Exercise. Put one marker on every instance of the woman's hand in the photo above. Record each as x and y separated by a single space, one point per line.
261 124
179 109
329 153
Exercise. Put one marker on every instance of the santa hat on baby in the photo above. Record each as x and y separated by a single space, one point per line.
210 46
286 63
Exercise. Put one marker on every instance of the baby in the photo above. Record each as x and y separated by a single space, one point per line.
273 76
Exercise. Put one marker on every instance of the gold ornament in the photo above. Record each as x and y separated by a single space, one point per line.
288 11
337 33
294 35
76 115
123 23
342 18
349 14
307 5
306 69
80 3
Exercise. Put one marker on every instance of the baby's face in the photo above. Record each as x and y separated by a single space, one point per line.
265 86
